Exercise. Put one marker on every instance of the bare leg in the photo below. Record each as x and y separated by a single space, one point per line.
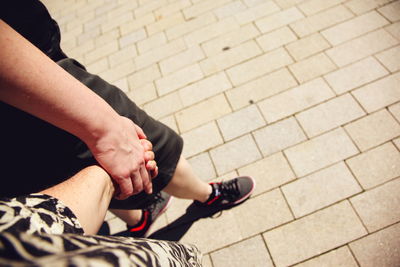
185 184
87 194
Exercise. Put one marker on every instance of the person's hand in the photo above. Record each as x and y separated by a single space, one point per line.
120 151
151 164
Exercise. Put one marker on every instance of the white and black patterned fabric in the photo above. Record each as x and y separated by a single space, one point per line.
38 230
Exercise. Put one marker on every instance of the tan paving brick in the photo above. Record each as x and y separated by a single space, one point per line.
295 100
301 240
312 67
154 41
253 3
202 166
390 58
379 207
269 173
202 7
206 261
330 115
373 130
235 154
230 57
307 46
278 20
171 8
211 31
379 249
376 166
144 76
338 257
116 21
107 37
240 122
201 139
261 88
229 9
397 143
122 84
164 23
395 110
321 20
288 3
179 79
394 29
362 6
116 225
230 39
143 93
278 136
132 37
149 7
101 51
170 122
98 66
320 152
354 27
122 55
205 88
202 112
164 105
136 23
259 66
320 189
355 75
82 38
361 47
256 12
250 252
117 72
276 39
391 11
190 26
183 59
260 209
314 6
160 53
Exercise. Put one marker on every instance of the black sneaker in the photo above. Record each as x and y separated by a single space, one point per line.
150 215
229 193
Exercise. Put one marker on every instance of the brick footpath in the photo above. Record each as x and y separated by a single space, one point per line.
303 95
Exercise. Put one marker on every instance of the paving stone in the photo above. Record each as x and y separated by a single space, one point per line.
230 57
149 7
379 249
276 39
390 58
101 51
230 40
250 252
229 9
152 42
269 173
123 70
288 3
362 6
122 84
397 143
395 110
116 21
235 154
300 240
369 168
98 66
338 257
170 122
201 139
116 225
259 66
179 79
278 20
266 211
190 26
320 21
312 67
144 76
329 115
260 88
361 47
379 207
256 12
240 122
394 29
354 28
320 152
373 129
391 11
320 189
204 88
314 6
295 100
132 37
355 75
307 46
202 7
202 112
164 105
211 31
121 56
171 8
188 57
164 23
278 136
203 166
136 23
207 261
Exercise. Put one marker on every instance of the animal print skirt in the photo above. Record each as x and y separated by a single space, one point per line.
38 230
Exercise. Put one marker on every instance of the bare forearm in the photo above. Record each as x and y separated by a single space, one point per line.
32 82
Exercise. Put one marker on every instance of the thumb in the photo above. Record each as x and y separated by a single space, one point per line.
140 132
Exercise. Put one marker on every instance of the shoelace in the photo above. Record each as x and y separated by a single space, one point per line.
229 190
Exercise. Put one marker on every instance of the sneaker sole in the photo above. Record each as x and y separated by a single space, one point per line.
248 194
163 210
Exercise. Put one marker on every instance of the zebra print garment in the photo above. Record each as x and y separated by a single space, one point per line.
38 230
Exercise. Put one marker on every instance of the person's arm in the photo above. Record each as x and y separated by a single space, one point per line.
32 82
